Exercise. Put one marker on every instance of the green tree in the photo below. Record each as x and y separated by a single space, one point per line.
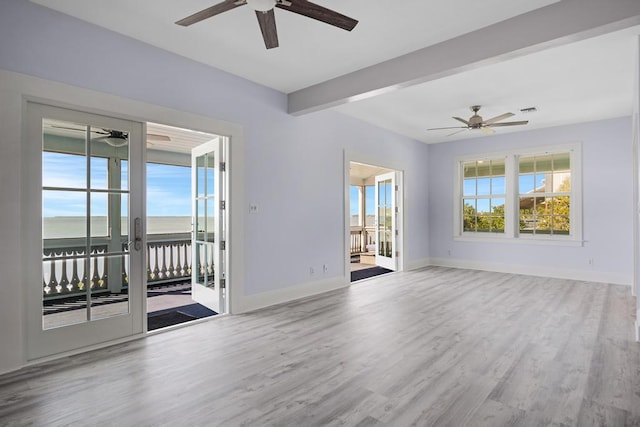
484 222
553 215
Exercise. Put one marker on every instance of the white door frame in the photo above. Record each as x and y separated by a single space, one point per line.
387 164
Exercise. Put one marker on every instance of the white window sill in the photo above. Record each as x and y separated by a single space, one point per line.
522 240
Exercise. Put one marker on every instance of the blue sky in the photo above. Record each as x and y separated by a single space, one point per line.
168 190
168 187
527 183
370 200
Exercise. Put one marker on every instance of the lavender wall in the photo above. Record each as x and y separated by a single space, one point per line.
607 206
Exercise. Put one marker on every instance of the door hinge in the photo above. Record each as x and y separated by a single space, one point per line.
397 233
223 245
397 254
223 166
396 209
223 283
396 188
223 204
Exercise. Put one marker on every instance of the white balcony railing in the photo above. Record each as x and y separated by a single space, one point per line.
64 275
361 238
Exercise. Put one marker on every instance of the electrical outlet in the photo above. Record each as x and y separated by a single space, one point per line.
325 268
253 208
311 271
590 261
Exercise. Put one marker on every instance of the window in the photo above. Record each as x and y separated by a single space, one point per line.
370 205
484 196
355 205
359 195
527 195
544 184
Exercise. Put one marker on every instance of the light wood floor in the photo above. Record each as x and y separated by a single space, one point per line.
430 347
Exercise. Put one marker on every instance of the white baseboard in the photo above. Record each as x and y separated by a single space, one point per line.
279 296
536 270
414 265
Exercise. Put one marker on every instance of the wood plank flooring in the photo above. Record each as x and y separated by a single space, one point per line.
435 346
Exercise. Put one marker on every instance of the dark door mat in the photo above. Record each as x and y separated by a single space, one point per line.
368 272
167 319
173 316
196 310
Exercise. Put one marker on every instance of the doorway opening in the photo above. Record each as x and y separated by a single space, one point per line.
374 220
184 193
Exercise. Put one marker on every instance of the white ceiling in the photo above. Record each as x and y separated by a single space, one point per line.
180 140
582 81
310 51
363 172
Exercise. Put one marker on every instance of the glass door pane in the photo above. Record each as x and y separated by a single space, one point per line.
85 203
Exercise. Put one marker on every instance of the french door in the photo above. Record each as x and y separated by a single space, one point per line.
83 240
386 219
208 277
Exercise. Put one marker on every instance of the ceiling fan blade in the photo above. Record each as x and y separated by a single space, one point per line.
80 129
322 14
156 137
498 118
456 132
210 11
462 120
267 21
524 122
451 127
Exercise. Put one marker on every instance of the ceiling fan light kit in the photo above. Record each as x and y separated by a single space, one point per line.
476 122
115 142
115 138
266 17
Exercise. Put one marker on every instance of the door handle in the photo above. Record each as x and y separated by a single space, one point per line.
137 234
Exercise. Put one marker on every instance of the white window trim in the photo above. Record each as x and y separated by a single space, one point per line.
511 233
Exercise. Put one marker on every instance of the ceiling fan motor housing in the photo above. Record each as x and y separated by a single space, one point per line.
475 121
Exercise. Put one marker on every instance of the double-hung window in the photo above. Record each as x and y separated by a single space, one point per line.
526 195
544 183
483 196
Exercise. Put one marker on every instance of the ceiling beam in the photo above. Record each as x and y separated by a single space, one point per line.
561 23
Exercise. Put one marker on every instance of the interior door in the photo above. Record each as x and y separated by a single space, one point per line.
208 284
83 239
386 220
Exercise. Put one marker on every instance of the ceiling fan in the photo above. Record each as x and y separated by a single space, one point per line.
476 122
266 16
115 138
